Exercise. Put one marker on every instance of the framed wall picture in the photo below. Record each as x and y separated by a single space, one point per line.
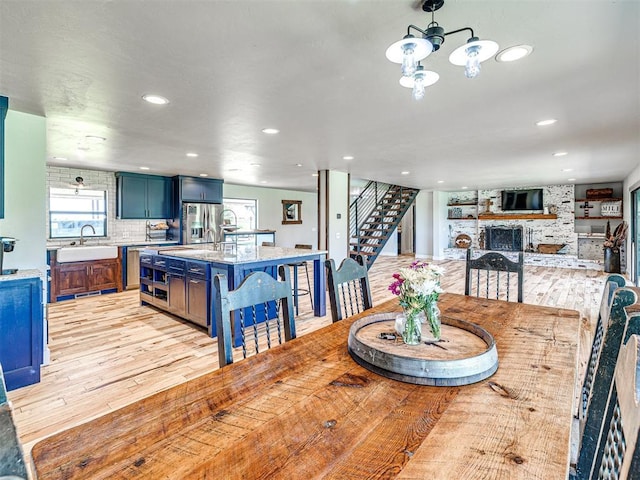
291 212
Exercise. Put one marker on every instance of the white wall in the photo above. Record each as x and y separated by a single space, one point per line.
270 212
391 247
24 190
338 205
424 225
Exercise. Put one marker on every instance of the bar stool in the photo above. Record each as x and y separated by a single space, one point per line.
296 290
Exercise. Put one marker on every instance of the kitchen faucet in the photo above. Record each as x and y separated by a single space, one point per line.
211 233
82 232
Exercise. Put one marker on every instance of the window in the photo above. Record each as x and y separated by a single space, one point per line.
70 209
245 210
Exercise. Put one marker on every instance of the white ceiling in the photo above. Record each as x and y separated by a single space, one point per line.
316 70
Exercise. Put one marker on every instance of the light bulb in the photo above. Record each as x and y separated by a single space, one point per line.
472 67
408 59
418 86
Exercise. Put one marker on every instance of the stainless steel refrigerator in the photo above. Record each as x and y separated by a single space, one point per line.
201 222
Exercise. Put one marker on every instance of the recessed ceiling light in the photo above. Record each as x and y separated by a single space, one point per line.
347 157
440 181
233 170
315 174
255 164
263 181
544 123
464 188
270 131
514 53
204 175
560 154
405 173
155 99
192 154
298 164
571 179
60 159
567 169
144 168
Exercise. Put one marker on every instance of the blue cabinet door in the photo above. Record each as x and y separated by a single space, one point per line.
21 331
132 197
190 189
213 191
159 197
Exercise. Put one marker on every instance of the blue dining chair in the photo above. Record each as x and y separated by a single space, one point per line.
349 290
264 307
620 326
618 456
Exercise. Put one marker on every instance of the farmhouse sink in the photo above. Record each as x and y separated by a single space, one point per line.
86 252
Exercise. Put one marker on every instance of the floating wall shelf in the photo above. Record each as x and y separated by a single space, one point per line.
523 216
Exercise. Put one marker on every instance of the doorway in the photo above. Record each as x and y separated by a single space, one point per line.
406 232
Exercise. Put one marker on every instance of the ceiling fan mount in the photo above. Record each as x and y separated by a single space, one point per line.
432 5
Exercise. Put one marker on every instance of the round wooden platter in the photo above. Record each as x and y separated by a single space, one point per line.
466 353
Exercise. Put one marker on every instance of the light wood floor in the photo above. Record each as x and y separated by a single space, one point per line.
109 351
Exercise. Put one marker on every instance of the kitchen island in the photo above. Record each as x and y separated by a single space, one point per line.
178 279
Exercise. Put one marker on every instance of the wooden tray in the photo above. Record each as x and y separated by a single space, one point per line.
465 354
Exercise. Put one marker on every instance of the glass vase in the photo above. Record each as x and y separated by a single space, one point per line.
412 333
431 327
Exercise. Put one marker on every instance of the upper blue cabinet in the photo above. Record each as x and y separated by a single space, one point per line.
4 106
199 190
143 196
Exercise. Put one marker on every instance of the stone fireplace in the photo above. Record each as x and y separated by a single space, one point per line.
507 239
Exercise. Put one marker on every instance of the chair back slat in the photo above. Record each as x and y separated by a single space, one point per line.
349 290
259 302
489 267
612 283
618 456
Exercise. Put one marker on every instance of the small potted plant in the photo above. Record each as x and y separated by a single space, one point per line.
612 244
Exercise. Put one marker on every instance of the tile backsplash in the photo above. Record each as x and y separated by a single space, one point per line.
117 230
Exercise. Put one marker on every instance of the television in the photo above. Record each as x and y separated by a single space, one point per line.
528 199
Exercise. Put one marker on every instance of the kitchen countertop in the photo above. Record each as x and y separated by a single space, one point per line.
20 274
247 232
118 243
244 254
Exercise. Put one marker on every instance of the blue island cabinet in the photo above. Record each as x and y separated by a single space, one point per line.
21 331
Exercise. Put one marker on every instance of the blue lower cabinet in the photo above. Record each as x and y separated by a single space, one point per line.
198 286
21 331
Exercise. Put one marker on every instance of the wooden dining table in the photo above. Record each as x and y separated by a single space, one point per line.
306 410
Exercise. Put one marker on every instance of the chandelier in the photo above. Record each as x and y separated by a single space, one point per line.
411 50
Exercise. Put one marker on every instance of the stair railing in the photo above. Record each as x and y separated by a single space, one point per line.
384 217
364 205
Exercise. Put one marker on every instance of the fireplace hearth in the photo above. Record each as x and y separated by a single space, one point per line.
507 239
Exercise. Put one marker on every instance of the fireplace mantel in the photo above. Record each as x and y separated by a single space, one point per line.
522 216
